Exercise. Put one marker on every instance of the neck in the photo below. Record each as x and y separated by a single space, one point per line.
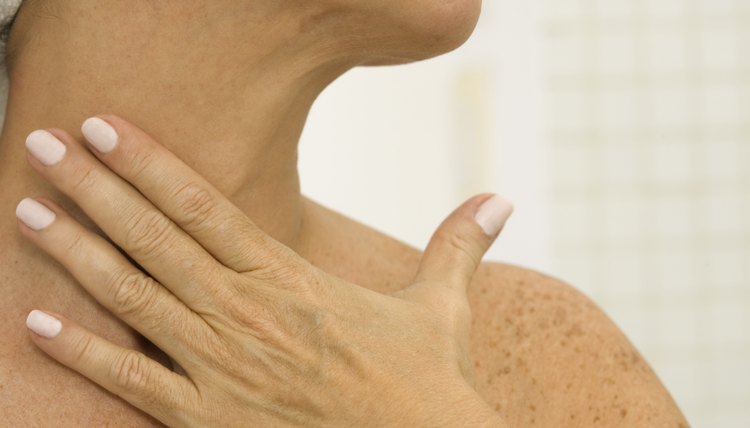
232 111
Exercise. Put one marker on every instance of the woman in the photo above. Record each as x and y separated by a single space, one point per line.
226 86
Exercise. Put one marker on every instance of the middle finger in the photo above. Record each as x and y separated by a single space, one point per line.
131 221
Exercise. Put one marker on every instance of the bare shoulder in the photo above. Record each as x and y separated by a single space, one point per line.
544 354
547 355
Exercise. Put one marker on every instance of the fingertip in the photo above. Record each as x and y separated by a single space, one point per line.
457 247
34 214
113 119
44 324
117 123
100 134
53 334
52 205
493 214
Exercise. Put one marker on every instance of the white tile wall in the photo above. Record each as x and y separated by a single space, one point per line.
664 100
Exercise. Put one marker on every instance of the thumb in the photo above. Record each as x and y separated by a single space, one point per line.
449 262
458 245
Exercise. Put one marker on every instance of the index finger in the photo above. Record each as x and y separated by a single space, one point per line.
180 193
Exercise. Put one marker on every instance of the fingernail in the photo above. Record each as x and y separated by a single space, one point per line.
493 214
45 147
43 324
34 214
100 134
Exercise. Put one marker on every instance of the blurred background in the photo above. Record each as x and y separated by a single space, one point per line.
621 131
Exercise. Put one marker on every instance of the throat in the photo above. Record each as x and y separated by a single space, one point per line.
234 115
250 158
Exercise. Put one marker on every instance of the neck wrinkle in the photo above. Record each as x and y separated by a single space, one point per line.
232 112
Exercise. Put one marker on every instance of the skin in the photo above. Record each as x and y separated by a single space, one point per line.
231 104
257 332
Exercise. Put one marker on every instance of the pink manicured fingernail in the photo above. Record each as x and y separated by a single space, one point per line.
100 134
45 147
493 214
43 324
34 214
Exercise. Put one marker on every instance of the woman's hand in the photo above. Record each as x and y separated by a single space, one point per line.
260 336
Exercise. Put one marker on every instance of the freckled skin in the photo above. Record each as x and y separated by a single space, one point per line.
544 354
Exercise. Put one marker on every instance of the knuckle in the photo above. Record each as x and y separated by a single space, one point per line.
129 371
140 162
84 182
132 293
74 244
147 233
278 272
220 355
195 203
256 317
82 350
460 245
216 298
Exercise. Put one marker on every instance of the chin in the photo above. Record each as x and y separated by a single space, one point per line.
448 24
428 28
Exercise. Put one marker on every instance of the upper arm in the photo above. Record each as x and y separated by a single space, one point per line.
545 354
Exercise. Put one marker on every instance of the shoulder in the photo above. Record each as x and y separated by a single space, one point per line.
546 354
522 290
